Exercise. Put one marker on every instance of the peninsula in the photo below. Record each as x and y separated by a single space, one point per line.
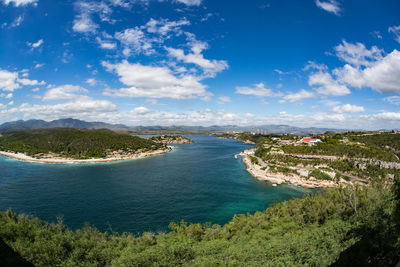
329 160
171 139
66 145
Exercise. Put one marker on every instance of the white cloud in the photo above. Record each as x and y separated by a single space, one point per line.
8 80
83 21
190 2
395 99
327 85
377 34
64 92
348 108
396 32
38 66
17 21
30 82
357 54
331 6
314 65
36 45
106 44
224 99
36 89
165 26
18 3
302 94
210 67
91 81
154 82
134 40
87 108
140 110
381 75
258 90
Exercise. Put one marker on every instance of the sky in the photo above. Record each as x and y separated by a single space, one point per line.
309 63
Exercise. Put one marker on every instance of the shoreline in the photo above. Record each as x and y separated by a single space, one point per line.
277 179
23 157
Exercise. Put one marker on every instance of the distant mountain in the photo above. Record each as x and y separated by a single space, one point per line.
61 123
74 123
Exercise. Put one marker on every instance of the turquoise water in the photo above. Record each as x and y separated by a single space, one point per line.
200 182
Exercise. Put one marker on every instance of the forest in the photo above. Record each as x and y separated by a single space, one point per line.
73 143
358 226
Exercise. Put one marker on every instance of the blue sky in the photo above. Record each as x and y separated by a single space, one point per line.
322 63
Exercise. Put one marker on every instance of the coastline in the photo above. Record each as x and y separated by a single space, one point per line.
278 178
23 157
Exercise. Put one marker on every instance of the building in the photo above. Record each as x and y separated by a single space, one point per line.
309 140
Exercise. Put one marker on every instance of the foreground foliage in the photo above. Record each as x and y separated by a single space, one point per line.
74 143
353 226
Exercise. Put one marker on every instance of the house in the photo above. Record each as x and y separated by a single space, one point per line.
310 141
248 152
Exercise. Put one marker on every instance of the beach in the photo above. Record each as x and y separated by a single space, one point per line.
22 156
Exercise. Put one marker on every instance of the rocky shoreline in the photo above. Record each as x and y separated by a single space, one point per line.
279 178
22 156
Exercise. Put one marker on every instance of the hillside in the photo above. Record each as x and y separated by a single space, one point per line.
73 143
341 227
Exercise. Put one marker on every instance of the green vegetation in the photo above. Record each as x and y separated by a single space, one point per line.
357 226
341 149
319 175
74 143
171 139
254 160
382 140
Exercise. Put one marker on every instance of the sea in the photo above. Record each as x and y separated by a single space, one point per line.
197 183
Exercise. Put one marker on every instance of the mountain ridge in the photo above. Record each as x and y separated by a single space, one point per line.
80 124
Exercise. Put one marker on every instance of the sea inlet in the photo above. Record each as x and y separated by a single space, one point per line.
198 183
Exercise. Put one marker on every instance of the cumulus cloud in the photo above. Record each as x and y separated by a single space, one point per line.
395 30
140 110
357 54
348 108
8 80
18 3
30 82
154 82
64 92
331 6
302 94
258 90
380 75
224 99
326 85
210 67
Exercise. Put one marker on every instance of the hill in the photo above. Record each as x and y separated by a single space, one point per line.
73 143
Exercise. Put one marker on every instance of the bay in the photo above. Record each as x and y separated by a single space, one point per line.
197 183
